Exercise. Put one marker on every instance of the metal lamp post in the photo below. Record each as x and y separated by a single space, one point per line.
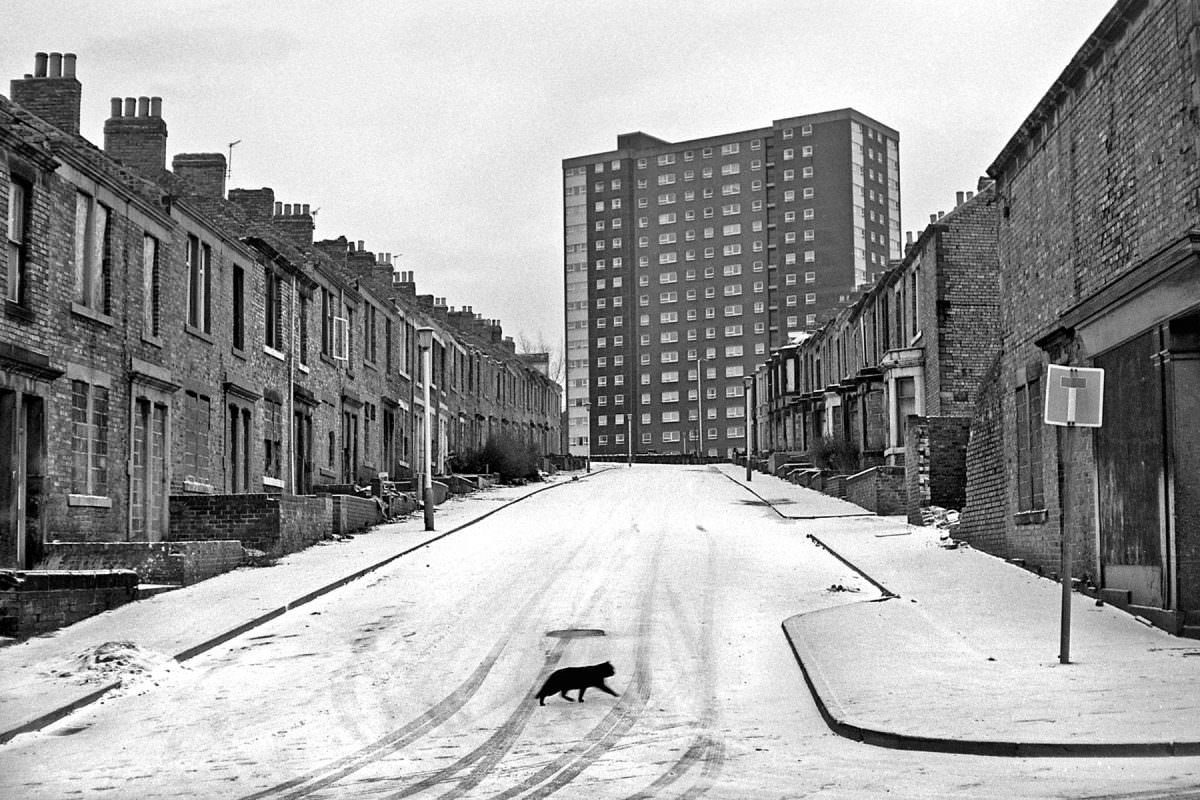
425 342
748 384
588 438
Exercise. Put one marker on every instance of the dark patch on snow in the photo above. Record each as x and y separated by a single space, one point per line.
575 633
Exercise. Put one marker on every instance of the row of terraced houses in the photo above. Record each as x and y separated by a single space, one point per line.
1081 248
173 356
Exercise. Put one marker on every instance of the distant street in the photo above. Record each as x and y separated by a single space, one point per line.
419 680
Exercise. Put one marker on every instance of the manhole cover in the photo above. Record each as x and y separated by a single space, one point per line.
575 633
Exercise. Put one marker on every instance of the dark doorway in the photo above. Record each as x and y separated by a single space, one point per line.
22 476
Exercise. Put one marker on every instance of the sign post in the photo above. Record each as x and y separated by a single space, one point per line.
748 390
1074 398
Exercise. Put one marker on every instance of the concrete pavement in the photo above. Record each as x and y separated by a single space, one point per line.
38 684
958 652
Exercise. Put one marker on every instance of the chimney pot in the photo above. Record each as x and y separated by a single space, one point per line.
958 199
115 110
278 209
304 208
941 214
68 65
48 94
156 106
970 195
143 106
130 106
933 217
360 245
909 236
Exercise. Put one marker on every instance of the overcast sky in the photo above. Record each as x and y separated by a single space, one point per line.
437 130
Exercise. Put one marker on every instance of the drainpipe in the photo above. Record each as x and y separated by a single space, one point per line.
289 481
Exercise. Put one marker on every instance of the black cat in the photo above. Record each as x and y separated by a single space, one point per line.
564 680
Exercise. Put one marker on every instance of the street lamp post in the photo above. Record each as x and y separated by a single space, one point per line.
748 384
588 408
425 342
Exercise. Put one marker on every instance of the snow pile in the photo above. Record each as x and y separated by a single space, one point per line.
123 662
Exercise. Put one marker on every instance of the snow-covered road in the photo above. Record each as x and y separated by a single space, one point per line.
419 680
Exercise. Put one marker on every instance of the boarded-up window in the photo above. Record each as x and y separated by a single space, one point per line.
1030 491
196 444
91 251
1129 455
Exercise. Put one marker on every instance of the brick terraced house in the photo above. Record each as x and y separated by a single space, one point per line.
1099 249
171 356
895 375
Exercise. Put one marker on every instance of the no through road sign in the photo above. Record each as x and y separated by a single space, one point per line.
1074 396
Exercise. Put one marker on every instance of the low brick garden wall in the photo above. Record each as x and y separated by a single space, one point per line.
274 524
34 602
303 521
880 490
353 513
177 563
835 486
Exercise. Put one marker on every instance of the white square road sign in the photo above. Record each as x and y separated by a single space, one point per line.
1074 396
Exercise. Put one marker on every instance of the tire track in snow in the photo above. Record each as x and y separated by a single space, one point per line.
598 741
616 723
389 743
416 728
495 747
704 747
526 710
713 756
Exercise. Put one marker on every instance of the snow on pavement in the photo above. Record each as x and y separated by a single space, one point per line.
970 648
418 679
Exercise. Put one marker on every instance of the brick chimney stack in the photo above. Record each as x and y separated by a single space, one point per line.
204 171
51 92
295 223
136 135
405 284
258 204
